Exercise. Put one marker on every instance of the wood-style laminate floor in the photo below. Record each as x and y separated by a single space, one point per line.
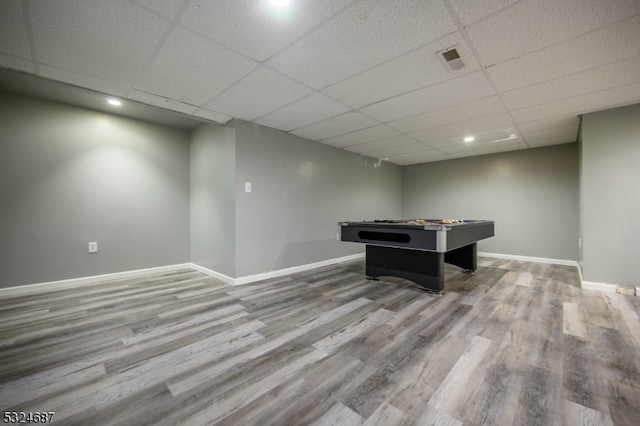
514 343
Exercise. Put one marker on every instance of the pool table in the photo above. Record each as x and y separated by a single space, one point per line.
417 249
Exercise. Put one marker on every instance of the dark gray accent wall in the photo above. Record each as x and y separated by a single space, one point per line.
69 176
610 191
532 195
213 198
300 191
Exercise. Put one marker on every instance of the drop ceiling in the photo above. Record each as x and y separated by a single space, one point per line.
360 75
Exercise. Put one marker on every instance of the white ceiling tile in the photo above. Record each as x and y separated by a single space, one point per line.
255 28
309 110
95 84
471 127
550 123
485 137
386 143
192 69
335 126
419 158
106 40
396 151
442 142
455 114
469 150
13 30
601 47
362 36
414 70
605 77
554 132
489 151
212 115
373 61
536 143
166 8
463 89
261 92
558 134
370 134
471 11
619 96
159 101
530 25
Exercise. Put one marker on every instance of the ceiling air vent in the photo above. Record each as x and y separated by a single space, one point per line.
451 59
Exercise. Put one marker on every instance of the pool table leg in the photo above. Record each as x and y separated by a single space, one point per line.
422 267
465 257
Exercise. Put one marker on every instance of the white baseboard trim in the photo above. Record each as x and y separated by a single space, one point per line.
275 274
580 272
222 277
608 288
95 279
531 259
295 269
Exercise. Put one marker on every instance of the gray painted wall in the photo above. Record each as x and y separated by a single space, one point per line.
531 195
580 199
153 195
69 176
301 190
611 196
213 198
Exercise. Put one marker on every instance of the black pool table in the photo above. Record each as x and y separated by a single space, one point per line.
416 249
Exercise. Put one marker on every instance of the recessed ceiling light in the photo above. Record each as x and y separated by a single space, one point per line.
281 3
469 139
114 102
